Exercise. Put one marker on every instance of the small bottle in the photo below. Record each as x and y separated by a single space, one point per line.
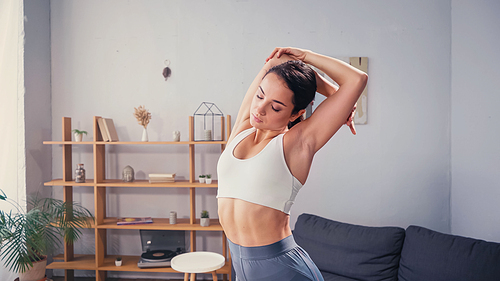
80 173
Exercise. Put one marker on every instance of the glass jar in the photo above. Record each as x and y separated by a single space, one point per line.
80 173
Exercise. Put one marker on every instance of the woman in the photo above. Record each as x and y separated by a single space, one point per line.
269 154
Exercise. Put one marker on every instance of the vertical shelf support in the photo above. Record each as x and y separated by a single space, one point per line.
99 199
192 191
69 253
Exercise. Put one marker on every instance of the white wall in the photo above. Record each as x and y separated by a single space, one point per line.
107 58
475 127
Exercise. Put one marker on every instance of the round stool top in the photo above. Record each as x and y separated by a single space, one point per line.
197 262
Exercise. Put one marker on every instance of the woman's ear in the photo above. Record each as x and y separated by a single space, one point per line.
297 115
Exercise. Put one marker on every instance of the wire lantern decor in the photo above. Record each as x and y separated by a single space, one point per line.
207 122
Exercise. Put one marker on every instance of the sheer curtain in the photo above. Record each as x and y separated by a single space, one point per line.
12 153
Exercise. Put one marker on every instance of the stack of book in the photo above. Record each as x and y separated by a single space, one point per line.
159 178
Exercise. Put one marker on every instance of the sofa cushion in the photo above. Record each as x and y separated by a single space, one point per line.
351 251
430 255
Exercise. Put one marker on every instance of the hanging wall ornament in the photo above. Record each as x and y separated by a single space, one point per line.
167 71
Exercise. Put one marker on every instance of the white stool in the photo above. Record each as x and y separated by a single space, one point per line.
198 262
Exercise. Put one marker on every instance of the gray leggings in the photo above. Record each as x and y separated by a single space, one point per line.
283 260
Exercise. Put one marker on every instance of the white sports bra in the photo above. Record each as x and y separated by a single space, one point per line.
263 179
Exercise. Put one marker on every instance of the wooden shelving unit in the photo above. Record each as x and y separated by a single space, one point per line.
101 262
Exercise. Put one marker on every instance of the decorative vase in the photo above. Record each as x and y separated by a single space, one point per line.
118 262
78 137
145 135
208 181
37 272
202 180
205 221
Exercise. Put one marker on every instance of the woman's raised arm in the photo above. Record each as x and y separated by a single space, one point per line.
242 120
333 112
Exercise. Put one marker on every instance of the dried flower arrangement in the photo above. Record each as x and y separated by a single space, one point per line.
142 115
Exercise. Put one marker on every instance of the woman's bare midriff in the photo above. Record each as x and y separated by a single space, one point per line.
250 225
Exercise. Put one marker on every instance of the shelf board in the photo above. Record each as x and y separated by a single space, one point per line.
80 262
60 182
136 183
129 263
163 224
135 142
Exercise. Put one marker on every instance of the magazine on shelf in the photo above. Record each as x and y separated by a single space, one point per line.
143 220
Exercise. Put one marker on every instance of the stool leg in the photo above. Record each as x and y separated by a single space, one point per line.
193 276
214 276
186 276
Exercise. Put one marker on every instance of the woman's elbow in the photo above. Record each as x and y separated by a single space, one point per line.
363 78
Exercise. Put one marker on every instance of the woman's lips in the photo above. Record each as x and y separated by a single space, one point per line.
256 119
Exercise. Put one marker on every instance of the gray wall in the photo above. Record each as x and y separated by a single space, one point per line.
107 58
37 106
475 113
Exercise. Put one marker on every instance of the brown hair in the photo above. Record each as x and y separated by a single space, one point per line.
301 80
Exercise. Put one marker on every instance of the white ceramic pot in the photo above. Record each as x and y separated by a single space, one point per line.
36 273
202 180
118 263
78 137
205 221
208 181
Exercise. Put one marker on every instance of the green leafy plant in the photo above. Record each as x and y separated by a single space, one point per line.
202 176
27 237
118 258
209 176
76 131
204 214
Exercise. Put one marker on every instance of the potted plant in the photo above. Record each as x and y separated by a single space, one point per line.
205 219
201 178
28 236
208 180
78 134
143 117
118 261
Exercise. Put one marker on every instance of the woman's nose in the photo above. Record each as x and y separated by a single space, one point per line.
261 109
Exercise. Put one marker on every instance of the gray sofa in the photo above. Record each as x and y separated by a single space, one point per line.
347 252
